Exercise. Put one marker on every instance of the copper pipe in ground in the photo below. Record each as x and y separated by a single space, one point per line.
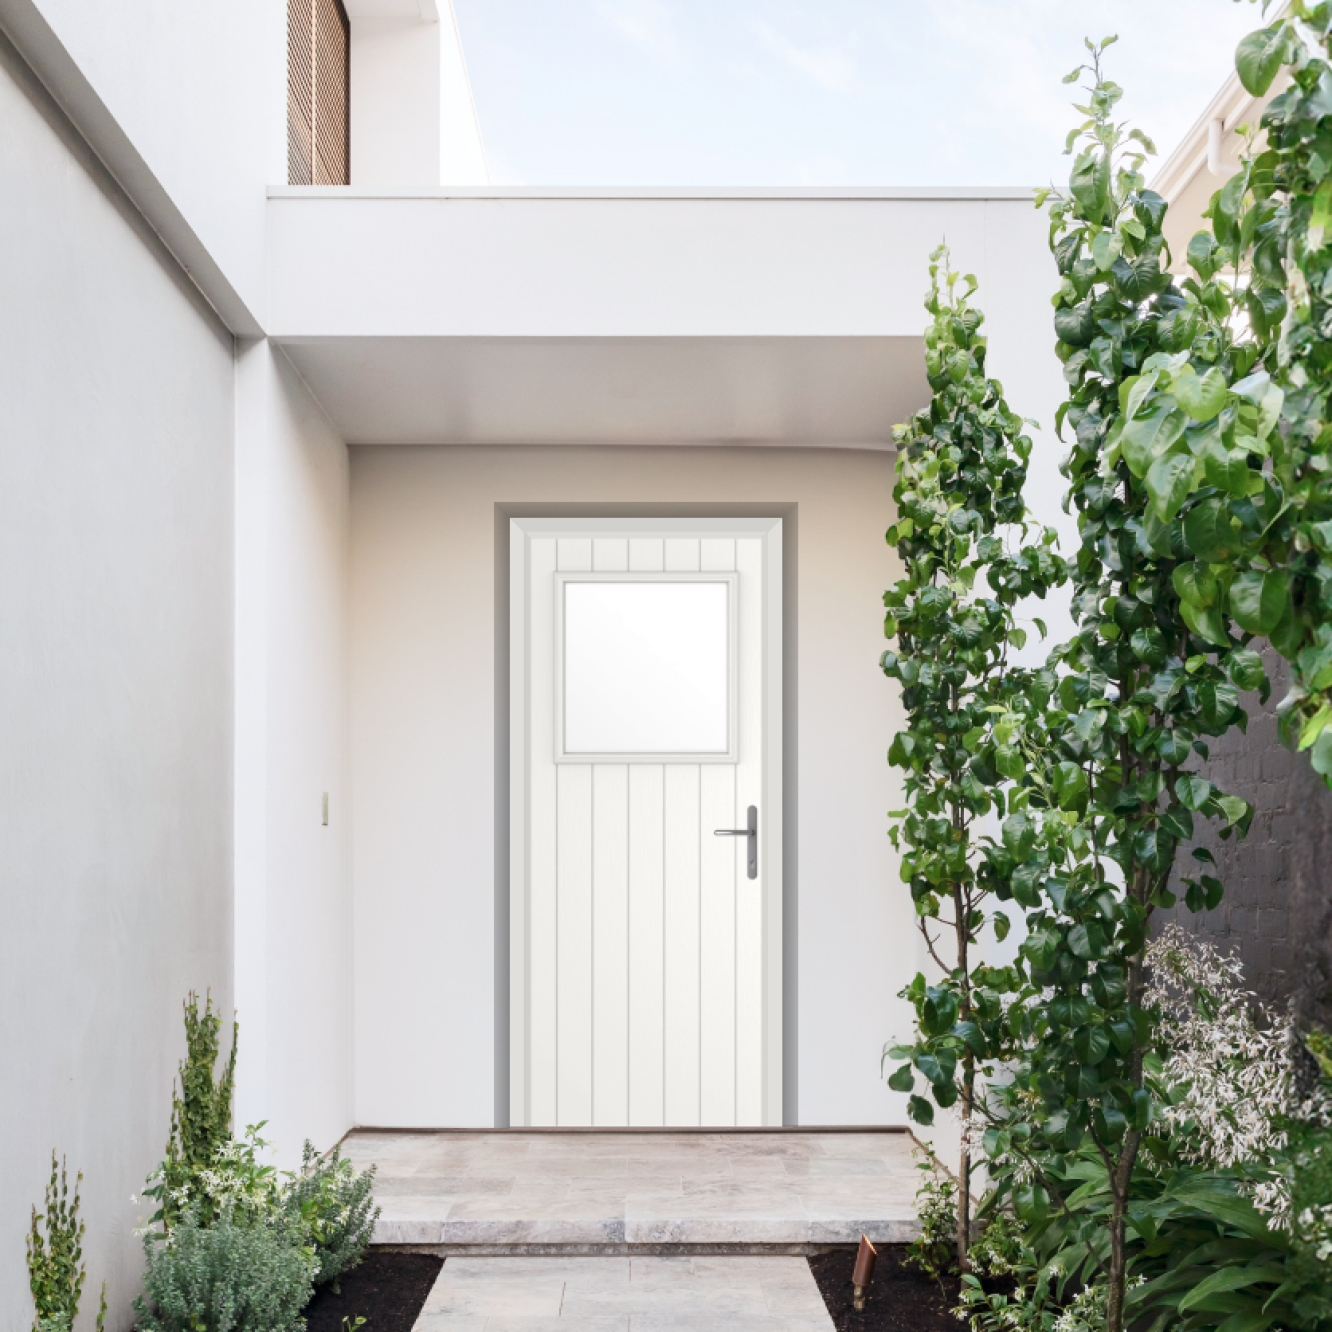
863 1273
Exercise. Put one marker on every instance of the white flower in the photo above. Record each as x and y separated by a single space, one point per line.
1230 1058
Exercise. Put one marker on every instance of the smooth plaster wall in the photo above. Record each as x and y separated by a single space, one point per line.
395 126
293 898
423 601
201 91
115 689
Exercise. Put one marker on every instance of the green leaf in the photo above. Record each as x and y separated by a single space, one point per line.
1231 1278
1197 591
1092 1044
1087 941
920 1110
1245 668
1259 56
1192 790
903 1080
1148 437
1247 1320
1169 481
1031 1202
1258 600
1202 396
1075 325
1210 531
1106 248
1089 184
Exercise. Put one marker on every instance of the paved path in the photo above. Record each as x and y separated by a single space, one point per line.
715 1294
506 1192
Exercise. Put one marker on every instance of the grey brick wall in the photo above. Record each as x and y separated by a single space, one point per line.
1277 911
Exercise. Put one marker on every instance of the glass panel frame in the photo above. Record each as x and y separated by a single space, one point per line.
731 753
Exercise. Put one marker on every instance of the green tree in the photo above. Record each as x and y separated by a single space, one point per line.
1259 522
1090 846
962 462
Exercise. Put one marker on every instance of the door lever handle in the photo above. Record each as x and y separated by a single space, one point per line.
750 832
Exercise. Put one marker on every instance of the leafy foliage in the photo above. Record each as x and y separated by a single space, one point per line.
335 1206
961 466
1089 842
934 1250
55 1260
226 1274
1274 220
200 1116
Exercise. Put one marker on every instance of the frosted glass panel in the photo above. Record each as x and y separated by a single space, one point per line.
646 667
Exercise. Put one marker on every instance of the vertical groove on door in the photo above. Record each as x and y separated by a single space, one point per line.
646 1036
717 946
749 1042
647 911
682 1016
574 910
574 925
717 909
610 945
542 904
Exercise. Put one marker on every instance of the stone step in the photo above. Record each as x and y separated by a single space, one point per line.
516 1192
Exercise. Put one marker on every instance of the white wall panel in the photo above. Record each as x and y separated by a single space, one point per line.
116 688
424 598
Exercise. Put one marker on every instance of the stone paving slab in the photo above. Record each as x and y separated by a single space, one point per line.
624 1294
649 1192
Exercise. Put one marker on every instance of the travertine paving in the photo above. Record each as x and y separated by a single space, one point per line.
517 1192
649 1294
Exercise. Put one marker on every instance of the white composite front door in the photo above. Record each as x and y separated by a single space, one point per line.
645 900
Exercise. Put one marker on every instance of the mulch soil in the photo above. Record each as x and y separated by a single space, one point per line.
899 1298
386 1289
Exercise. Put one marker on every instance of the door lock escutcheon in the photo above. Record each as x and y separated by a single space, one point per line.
750 833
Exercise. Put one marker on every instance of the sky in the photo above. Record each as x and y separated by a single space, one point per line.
823 92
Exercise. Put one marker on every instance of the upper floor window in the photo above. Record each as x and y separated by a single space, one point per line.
318 92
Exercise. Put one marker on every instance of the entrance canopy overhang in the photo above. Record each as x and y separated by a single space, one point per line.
632 316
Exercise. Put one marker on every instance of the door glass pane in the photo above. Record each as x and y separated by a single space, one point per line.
646 667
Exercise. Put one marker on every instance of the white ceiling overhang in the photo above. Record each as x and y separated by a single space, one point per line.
496 316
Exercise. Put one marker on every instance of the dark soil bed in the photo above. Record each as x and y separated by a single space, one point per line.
387 1290
899 1299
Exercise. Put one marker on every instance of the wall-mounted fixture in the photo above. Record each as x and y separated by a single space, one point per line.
325 809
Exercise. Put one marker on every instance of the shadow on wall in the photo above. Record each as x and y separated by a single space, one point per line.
1277 911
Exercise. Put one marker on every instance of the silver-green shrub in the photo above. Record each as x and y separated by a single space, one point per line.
335 1207
233 1275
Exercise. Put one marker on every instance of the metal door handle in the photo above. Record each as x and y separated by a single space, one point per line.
751 832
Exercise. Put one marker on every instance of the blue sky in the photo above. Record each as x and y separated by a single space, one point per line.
833 92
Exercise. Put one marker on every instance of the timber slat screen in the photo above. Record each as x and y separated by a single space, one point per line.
318 85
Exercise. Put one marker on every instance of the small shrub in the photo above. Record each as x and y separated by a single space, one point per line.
227 1275
55 1260
999 1249
200 1115
337 1209
935 1252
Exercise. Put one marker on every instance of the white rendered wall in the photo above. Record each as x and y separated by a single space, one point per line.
413 125
423 604
115 694
293 902
395 122
201 91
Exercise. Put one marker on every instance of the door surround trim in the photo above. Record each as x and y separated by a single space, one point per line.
774 845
